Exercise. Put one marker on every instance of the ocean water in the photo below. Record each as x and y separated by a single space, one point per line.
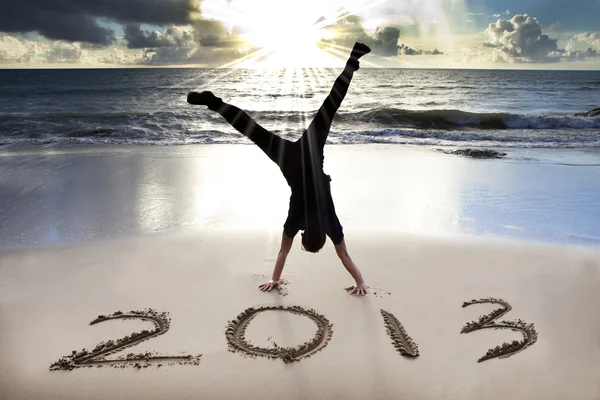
462 108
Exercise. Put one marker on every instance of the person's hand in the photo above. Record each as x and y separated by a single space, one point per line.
359 289
268 286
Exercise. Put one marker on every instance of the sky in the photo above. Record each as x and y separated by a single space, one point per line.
516 34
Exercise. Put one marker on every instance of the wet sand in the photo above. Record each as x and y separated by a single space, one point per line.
81 194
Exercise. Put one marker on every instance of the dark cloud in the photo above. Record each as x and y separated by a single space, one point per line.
206 33
53 24
75 20
409 51
202 42
136 38
386 42
349 30
157 12
210 41
383 43
212 33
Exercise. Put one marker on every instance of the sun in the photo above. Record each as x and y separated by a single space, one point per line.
295 36
287 33
297 48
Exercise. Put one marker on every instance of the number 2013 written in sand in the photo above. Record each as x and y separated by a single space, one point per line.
235 335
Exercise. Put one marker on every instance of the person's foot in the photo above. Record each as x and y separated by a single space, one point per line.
359 50
201 99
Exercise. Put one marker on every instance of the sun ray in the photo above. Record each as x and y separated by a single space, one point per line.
302 92
292 41
289 82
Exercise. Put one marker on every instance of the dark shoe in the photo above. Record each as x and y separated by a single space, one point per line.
359 50
353 64
201 99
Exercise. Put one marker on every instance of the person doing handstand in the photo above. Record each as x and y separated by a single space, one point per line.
311 206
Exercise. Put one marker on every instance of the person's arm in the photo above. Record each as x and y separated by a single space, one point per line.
360 289
286 245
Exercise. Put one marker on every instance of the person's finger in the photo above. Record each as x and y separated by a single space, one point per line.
271 286
350 287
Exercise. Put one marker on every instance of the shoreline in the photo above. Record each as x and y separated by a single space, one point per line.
524 154
75 194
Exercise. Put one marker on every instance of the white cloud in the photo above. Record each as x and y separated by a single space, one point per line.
499 15
22 51
118 56
583 45
520 39
15 51
19 52
62 52
583 41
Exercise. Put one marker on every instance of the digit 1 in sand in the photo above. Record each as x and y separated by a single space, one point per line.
400 339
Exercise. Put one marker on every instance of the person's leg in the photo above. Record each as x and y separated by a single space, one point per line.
319 127
272 145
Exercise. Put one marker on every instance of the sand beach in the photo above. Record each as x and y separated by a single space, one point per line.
187 232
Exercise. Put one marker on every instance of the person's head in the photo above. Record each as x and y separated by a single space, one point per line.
313 239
